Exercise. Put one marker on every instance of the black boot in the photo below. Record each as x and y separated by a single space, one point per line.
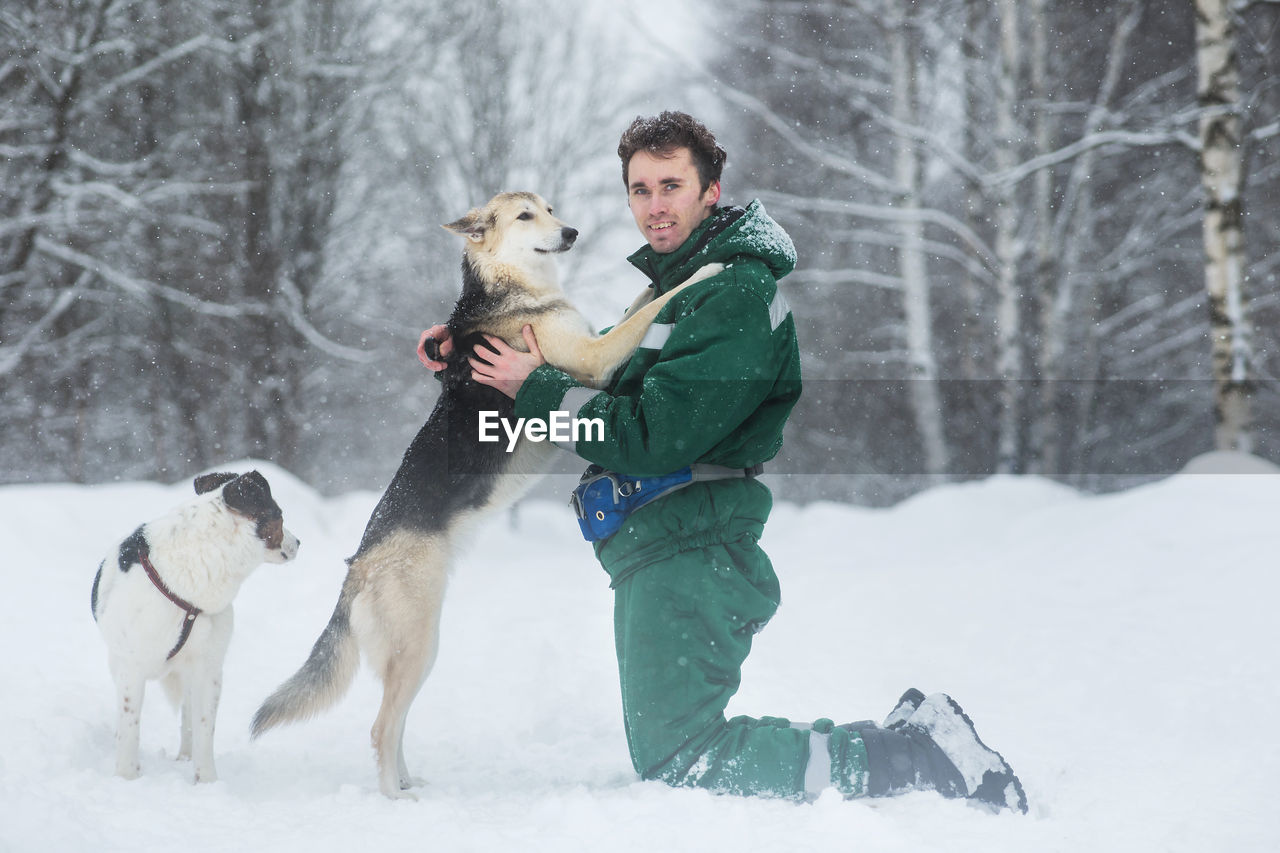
930 744
906 759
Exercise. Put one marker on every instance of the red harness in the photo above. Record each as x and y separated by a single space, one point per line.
190 609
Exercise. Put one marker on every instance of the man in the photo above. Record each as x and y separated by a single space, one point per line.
709 391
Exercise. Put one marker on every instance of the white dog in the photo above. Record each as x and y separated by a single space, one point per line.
162 599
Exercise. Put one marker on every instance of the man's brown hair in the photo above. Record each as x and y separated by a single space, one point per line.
661 135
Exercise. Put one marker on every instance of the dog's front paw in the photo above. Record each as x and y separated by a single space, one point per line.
128 771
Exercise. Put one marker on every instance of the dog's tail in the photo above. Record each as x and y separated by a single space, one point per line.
326 675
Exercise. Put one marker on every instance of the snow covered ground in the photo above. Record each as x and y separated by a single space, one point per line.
1122 651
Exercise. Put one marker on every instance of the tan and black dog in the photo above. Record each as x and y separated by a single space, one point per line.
389 607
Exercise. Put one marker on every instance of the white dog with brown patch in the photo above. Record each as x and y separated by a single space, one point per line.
162 600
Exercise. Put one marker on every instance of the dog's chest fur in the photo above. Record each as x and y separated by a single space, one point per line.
499 305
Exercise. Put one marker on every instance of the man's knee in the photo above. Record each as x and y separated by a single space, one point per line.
764 756
669 753
662 736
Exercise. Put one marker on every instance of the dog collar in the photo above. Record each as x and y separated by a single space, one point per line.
190 609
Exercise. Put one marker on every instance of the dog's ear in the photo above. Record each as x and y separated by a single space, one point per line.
250 495
208 482
473 226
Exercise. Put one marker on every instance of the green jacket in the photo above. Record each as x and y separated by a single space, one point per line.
714 381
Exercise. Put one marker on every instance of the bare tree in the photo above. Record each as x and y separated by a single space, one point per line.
84 176
1009 245
913 262
130 227
1222 175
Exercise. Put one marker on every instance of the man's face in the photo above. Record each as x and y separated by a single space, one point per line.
666 197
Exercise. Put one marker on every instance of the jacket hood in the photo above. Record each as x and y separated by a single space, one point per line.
728 233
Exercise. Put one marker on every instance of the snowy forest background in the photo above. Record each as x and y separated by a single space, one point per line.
1035 237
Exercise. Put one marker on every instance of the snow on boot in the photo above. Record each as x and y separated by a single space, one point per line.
987 777
904 709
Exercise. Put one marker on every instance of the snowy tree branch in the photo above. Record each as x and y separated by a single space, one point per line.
143 288
1089 142
11 355
826 277
1258 134
891 214
298 320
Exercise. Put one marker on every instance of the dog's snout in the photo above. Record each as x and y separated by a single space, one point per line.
568 234
285 549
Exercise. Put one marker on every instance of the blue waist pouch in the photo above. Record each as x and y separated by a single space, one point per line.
604 499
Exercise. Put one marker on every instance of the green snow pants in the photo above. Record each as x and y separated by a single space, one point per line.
683 627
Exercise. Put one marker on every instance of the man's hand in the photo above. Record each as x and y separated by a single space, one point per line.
506 369
441 336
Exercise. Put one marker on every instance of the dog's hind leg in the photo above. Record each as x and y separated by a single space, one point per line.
396 618
403 674
402 680
407 780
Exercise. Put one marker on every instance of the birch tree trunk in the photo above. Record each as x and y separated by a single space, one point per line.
1222 175
1009 351
1045 429
926 401
972 362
